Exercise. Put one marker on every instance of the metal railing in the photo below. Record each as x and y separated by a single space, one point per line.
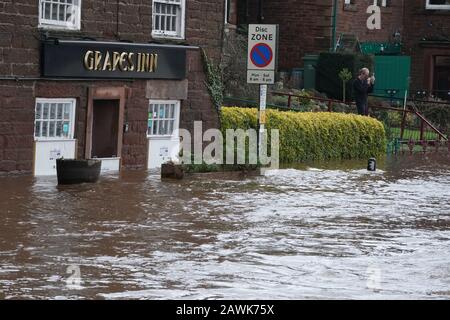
408 125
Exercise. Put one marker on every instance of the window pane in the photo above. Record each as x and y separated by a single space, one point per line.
156 25
38 111
70 12
60 111
169 23
51 129
149 122
45 113
174 24
162 127
155 127
170 130
66 128
47 11
44 129
54 11
53 111
59 126
163 22
67 109
61 13
37 129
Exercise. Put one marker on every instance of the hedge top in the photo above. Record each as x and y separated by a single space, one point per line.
314 135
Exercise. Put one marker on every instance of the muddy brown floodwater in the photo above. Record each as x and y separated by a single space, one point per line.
316 231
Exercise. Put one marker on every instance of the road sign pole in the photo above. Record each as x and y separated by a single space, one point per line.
261 115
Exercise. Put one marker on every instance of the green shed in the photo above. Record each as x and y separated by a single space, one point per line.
393 76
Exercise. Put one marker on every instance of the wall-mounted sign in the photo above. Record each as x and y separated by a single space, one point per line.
114 60
262 53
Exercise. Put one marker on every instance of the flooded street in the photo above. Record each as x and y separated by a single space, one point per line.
313 232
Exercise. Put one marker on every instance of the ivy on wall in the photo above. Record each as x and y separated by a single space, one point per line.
213 82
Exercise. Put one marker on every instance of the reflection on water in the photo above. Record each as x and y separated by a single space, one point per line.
312 231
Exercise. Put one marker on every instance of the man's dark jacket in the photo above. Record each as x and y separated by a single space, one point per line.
361 89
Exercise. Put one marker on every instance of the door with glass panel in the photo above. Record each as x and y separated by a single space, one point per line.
163 122
53 134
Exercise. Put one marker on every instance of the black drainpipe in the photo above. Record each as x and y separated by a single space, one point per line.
117 21
260 13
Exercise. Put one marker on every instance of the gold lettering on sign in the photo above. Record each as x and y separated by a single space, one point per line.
123 61
130 61
122 65
98 60
89 60
153 62
145 62
116 60
107 64
139 63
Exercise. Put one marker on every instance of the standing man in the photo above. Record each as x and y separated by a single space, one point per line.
362 86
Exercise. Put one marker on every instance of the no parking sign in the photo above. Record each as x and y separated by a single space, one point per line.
262 53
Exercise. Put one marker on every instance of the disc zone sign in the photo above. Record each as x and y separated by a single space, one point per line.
262 51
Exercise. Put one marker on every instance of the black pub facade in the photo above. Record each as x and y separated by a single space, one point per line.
103 79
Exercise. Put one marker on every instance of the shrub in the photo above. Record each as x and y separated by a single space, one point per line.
315 136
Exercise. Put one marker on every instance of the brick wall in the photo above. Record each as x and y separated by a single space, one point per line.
19 57
353 19
425 24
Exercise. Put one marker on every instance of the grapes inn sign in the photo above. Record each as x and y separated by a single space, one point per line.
112 60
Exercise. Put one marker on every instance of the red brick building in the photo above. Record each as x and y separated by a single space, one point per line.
105 79
306 27
427 40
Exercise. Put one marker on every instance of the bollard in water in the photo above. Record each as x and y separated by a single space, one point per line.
372 165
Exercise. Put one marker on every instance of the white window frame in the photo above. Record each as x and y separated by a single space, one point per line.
176 121
72 101
60 25
170 34
382 4
375 3
437 6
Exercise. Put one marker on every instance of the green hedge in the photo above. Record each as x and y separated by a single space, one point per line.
330 64
315 136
